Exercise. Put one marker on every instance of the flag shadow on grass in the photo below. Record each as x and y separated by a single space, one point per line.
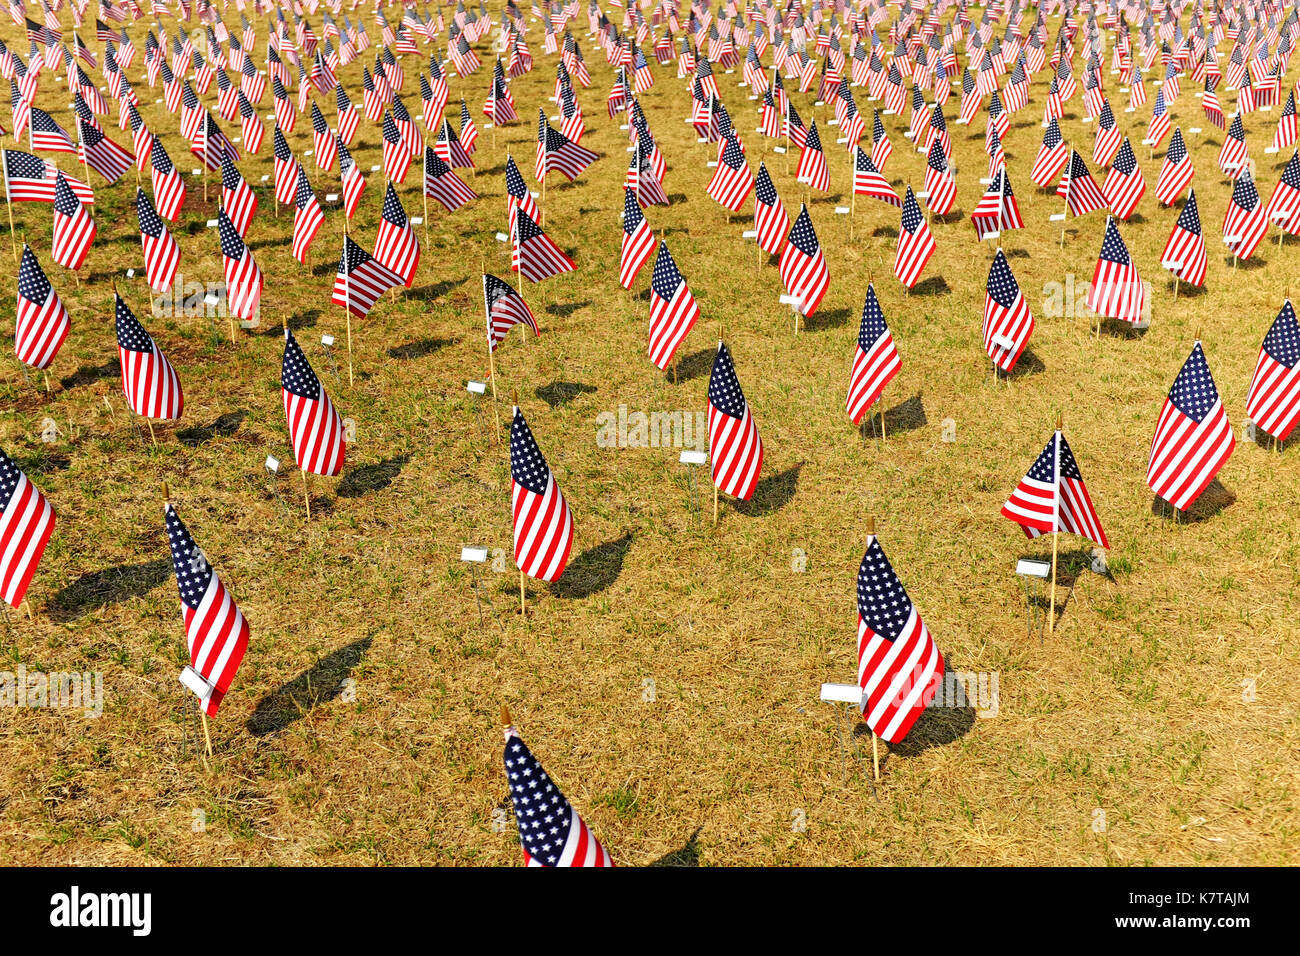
223 427
687 856
564 309
937 726
884 232
935 285
1070 565
42 462
827 319
771 494
594 570
1028 364
108 586
906 416
420 348
556 394
317 685
90 374
1207 505
1254 262
1119 329
433 292
1185 290
692 366
375 477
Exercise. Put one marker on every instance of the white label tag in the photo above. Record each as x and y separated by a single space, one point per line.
210 299
477 555
212 224
331 197
327 340
502 237
1197 129
272 464
477 388
266 177
711 163
375 169
749 234
778 149
694 458
130 273
417 220
842 210
1056 217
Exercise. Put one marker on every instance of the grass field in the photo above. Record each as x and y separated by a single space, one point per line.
1136 707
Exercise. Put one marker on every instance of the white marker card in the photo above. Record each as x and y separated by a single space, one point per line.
212 224
502 237
130 273
749 234
272 464
331 197
842 210
327 340
477 388
477 555
210 299
694 458
1056 217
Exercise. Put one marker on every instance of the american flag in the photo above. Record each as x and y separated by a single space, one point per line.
504 308
803 265
1158 128
1285 134
322 140
396 245
1117 289
550 831
354 181
1210 105
215 629
1052 497
285 169
1184 253
74 230
237 197
1078 187
442 184
915 242
102 154
732 181
1052 156
673 311
539 257
251 126
812 162
41 321
286 117
26 523
468 131
940 184
447 145
867 180
243 277
1193 435
1273 402
29 178
46 134
1123 186
543 524
875 360
1284 205
307 216
556 153
735 449
1108 136
346 115
361 280
1175 172
1232 155
638 240
770 219
315 429
997 209
1244 224
148 379
1008 322
396 153
897 658
161 253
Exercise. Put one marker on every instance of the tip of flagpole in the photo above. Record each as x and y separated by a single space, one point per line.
514 396
505 717
1059 422
871 525
167 493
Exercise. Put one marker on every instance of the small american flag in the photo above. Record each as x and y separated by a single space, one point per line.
1052 156
322 140
396 153
505 308
354 181
1193 435
74 230
285 169
47 134
41 321
1078 188
26 523
1232 155
346 116
360 280
940 183
315 429
1175 172
812 162
1273 402
1184 253
237 197
539 257
102 154
673 311
243 277
898 662
803 265
875 360
168 186
1123 186
307 216
638 240
161 253
868 181
770 219
1284 205
555 152
543 524
1285 134
396 245
443 185
148 380
1244 224
1108 136
550 831
1117 289
1052 497
1158 128
915 242
735 448
732 181
1008 322
215 629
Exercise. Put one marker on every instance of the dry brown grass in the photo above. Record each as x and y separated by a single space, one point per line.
1135 706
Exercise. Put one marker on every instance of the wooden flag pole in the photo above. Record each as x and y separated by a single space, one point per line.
875 741
1056 534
